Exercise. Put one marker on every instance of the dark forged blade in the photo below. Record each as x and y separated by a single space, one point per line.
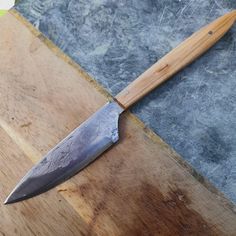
72 154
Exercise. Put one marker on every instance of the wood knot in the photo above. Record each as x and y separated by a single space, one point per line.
162 67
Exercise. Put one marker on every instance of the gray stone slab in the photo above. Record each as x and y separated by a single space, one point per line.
115 41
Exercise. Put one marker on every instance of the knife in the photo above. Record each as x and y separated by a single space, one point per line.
100 131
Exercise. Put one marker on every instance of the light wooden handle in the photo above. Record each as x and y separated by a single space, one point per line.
175 60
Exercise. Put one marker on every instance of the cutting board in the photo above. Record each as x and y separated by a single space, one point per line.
139 187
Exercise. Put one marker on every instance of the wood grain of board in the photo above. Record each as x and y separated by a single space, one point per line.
136 188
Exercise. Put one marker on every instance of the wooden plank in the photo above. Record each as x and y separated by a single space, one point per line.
136 188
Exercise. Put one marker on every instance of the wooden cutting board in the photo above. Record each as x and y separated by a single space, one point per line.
139 187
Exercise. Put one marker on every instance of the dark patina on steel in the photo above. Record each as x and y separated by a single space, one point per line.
72 154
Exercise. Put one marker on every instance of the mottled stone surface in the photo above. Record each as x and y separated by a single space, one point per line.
114 41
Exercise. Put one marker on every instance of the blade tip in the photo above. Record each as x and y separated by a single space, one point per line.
11 199
7 201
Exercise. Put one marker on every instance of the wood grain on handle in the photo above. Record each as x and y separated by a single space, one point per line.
175 60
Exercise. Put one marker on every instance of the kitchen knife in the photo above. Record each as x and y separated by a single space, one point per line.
100 131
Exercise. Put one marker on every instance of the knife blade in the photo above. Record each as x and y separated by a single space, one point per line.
100 131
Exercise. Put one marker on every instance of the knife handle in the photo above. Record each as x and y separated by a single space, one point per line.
175 60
